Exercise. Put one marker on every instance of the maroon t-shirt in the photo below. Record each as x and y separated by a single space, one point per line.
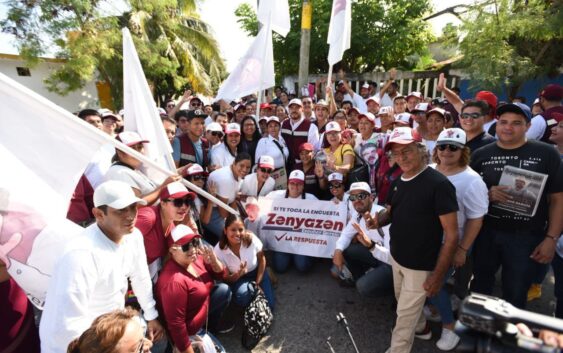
183 299
149 223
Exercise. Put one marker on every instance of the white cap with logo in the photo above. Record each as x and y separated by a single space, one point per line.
453 136
115 194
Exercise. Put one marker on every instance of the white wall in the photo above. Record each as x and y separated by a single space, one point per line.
87 97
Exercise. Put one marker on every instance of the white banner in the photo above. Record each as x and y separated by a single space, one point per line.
339 30
304 227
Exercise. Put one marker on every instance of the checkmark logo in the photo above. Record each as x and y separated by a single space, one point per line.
280 237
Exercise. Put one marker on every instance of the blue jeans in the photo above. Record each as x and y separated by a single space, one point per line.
220 298
214 228
281 262
442 302
557 265
511 251
378 282
243 293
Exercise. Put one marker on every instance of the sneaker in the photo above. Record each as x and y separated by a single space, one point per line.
448 340
425 334
534 292
430 315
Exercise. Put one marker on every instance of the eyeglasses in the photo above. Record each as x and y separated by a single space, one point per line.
180 202
362 196
470 115
335 186
216 133
403 153
195 243
452 148
198 177
265 170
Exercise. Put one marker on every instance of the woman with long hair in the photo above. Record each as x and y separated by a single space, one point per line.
242 254
451 156
227 181
249 137
225 153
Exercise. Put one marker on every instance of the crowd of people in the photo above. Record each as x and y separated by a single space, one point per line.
432 171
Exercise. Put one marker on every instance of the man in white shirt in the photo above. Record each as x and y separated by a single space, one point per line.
372 249
90 279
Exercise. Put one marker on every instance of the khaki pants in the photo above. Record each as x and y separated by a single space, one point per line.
410 300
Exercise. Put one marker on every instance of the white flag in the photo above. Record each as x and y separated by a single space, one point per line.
44 150
339 30
141 113
276 12
254 72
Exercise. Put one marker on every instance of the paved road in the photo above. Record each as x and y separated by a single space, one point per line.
306 316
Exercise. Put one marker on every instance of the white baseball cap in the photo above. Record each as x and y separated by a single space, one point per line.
403 136
368 116
365 85
421 107
385 110
373 99
266 162
321 103
360 186
335 177
403 118
195 169
415 94
296 176
115 194
453 136
295 101
175 190
332 126
232 128
274 119
130 138
214 127
182 234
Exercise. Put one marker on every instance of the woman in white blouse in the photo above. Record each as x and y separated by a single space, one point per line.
273 145
241 253
225 153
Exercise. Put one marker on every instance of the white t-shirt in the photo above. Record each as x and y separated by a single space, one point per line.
90 279
247 254
250 186
132 177
267 147
386 101
226 183
280 194
537 128
381 250
221 156
472 196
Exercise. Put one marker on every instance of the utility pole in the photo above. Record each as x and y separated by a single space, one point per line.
305 44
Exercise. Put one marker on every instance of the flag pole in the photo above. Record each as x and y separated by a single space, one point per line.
328 80
269 34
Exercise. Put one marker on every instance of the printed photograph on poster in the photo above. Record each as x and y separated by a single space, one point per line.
524 187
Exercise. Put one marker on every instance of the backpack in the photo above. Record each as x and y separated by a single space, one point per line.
257 318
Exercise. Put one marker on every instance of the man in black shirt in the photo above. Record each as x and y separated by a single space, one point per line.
472 119
516 242
422 209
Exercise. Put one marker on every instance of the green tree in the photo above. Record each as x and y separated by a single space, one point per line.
174 45
385 33
511 41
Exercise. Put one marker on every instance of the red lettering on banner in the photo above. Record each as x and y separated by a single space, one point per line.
299 222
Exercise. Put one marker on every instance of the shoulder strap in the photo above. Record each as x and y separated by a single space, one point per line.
281 150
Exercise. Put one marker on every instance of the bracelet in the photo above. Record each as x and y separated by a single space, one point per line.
372 246
555 239
462 248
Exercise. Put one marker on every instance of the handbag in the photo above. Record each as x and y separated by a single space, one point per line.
360 172
257 318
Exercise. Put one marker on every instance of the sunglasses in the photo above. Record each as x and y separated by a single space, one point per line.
470 115
335 186
180 202
266 170
360 197
198 177
450 147
195 105
216 133
195 243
